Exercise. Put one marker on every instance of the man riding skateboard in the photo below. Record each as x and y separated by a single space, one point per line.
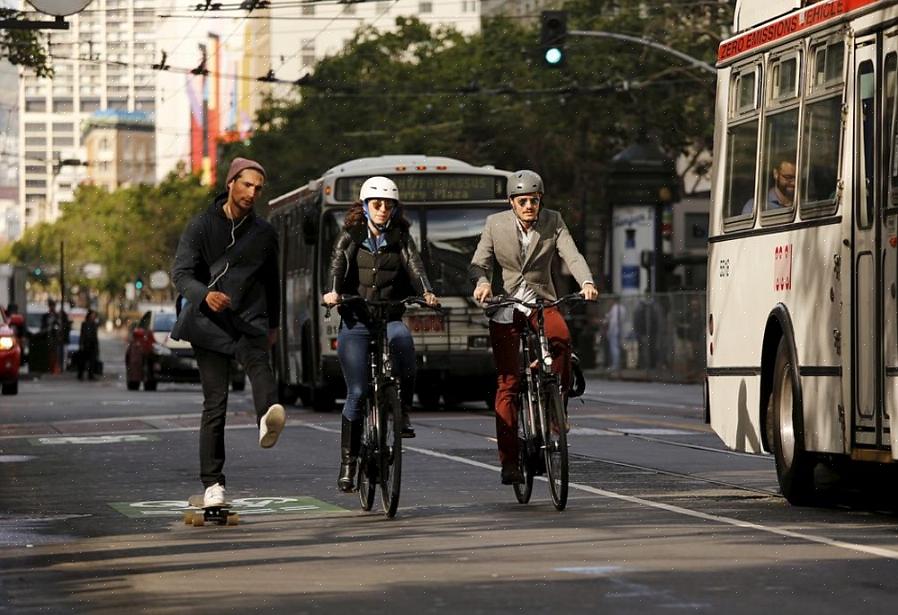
227 272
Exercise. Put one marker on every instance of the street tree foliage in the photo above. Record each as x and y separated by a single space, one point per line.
487 99
23 47
132 231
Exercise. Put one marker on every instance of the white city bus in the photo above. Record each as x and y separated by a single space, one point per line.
446 201
802 336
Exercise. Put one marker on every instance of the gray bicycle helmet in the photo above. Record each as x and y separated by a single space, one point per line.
524 182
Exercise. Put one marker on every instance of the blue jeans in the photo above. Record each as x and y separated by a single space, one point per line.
352 350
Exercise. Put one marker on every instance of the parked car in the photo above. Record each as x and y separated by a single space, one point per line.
10 353
152 356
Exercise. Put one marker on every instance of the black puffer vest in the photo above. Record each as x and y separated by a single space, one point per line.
395 271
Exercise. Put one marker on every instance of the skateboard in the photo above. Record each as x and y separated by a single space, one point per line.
200 515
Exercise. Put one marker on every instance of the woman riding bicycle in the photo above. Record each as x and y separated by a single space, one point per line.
375 257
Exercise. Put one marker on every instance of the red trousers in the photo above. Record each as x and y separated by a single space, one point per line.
505 339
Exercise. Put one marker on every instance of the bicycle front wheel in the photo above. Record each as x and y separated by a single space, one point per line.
522 491
367 478
556 446
389 414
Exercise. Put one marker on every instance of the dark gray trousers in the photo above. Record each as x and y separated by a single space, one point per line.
215 375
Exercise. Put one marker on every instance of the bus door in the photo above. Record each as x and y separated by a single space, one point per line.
870 424
889 251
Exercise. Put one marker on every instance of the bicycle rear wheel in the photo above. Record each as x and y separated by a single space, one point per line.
367 478
390 440
522 491
556 445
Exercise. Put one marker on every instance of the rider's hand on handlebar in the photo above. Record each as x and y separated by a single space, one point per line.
431 299
330 299
589 292
482 293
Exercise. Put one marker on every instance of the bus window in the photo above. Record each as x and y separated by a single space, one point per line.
891 91
829 61
866 90
742 145
819 176
781 134
784 79
780 146
452 237
741 169
819 173
746 93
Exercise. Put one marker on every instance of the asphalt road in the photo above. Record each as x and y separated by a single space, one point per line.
94 479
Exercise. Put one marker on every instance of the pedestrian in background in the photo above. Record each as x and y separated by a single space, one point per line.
226 270
615 320
88 347
52 329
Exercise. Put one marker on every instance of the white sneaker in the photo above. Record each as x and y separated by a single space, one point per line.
214 496
271 425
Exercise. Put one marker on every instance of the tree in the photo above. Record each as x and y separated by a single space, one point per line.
487 100
23 47
133 230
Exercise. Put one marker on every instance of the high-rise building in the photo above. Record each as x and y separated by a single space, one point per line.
102 62
120 148
521 9
201 74
307 32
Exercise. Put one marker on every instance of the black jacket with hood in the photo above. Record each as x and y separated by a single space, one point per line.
246 269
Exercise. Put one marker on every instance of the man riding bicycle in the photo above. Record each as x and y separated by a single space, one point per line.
524 242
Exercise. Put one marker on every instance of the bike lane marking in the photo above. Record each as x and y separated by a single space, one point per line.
257 505
677 510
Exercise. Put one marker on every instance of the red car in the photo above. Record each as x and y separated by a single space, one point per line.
10 352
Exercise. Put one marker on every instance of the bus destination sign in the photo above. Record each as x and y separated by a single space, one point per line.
805 19
431 187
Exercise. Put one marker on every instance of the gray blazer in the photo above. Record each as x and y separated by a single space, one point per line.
500 243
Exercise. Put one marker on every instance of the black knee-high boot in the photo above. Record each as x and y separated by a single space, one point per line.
350 440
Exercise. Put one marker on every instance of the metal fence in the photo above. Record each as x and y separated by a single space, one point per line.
660 336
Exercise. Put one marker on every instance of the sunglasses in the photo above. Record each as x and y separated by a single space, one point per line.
381 204
521 201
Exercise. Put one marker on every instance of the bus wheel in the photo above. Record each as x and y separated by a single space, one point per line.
794 465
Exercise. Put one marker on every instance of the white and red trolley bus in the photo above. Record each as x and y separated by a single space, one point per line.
803 249
446 201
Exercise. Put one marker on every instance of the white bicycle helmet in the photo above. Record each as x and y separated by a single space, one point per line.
379 188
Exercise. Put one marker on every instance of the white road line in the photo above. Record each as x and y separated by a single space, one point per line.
678 510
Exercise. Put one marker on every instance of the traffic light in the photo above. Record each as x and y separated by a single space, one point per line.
138 284
552 34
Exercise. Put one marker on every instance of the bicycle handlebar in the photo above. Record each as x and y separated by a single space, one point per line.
540 304
414 300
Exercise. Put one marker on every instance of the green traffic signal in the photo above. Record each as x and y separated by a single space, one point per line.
553 56
553 31
138 284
